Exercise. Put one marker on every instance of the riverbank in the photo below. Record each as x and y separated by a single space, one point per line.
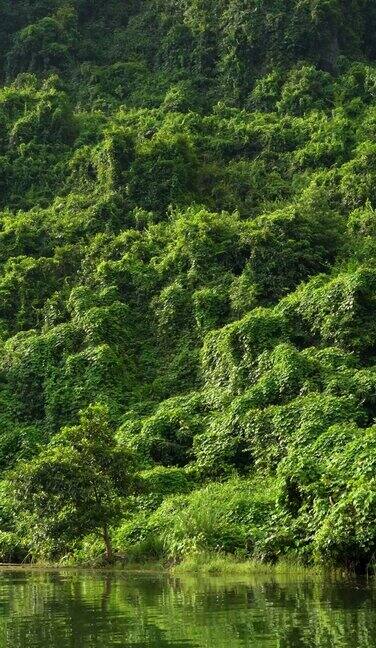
217 564
204 564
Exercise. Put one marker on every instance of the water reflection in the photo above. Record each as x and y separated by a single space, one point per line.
90 609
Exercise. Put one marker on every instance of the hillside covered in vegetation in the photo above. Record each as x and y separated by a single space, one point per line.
188 279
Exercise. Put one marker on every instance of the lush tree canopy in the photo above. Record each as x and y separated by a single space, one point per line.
188 279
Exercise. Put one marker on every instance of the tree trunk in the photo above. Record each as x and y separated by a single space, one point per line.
330 54
107 543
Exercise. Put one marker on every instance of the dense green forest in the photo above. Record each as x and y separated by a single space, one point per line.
188 279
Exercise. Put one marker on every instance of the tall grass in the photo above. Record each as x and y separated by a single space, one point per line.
207 563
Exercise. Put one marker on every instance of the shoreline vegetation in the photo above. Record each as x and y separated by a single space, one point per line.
188 283
200 565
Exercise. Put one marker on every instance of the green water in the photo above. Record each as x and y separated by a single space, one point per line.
85 609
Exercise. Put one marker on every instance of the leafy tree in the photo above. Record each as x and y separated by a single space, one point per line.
74 486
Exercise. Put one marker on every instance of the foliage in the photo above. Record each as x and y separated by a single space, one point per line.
73 487
219 517
187 236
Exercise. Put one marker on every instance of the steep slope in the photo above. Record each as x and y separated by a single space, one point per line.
187 236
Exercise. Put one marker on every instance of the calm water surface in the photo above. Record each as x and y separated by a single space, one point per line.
84 609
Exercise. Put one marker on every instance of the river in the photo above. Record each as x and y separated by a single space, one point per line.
83 609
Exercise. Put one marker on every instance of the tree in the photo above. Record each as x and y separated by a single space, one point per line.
74 487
